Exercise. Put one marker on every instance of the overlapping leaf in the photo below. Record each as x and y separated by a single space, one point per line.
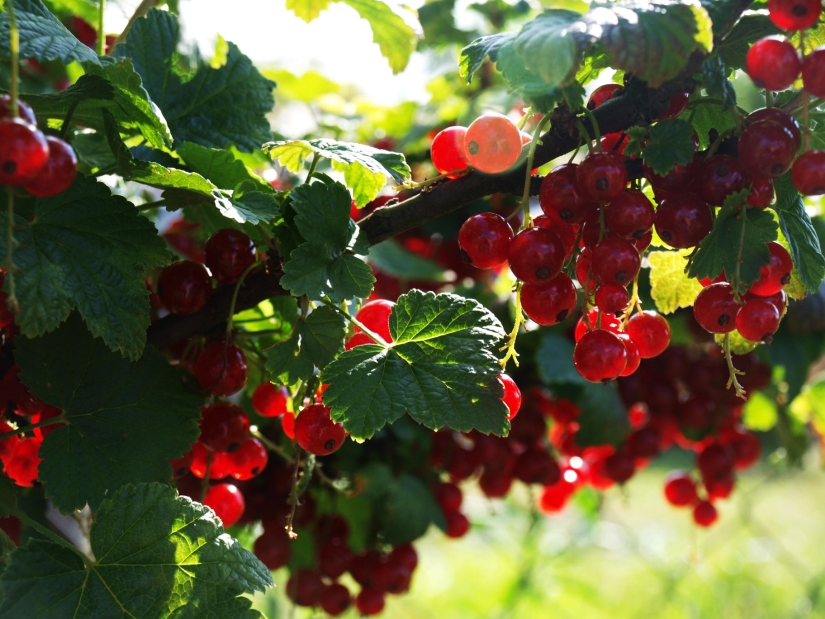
670 287
440 369
670 144
156 555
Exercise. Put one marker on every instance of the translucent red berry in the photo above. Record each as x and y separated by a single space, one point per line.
229 253
375 316
773 63
448 496
601 177
221 369
269 400
679 176
705 514
369 602
720 176
316 432
716 460
305 587
615 143
715 309
224 427
603 93
619 467
599 356
23 151
447 151
612 299
561 229
335 599
683 220
24 463
808 173
758 320
558 195
484 240
774 276
550 302
184 287
630 215
24 111
249 460
457 524
761 193
680 489
813 70
777 115
492 143
59 172
535 255
651 333
676 106
273 547
615 261
634 359
794 14
512 395
766 149
227 502
606 321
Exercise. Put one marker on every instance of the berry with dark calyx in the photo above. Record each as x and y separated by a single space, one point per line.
512 395
23 151
221 369
705 514
535 255
615 261
305 588
794 15
619 467
766 149
678 177
273 548
773 63
484 240
634 359
599 356
229 253
808 173
676 106
59 172
715 309
758 320
630 215
249 460
492 143
369 602
779 300
269 400
184 287
375 316
558 195
813 71
601 177
447 151
761 193
448 496
24 111
612 299
224 427
680 489
227 502
550 302
775 275
777 115
316 432
651 333
335 599
720 176
608 322
563 230
603 93
683 220
457 524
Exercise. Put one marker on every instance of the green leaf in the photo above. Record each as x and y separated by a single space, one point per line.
670 287
252 207
734 47
221 167
796 354
719 251
554 360
393 259
759 412
670 144
8 496
307 9
799 231
395 29
603 419
738 344
156 555
550 36
124 420
440 369
365 168
315 341
42 36
410 509
473 55
711 116
214 107
715 80
89 250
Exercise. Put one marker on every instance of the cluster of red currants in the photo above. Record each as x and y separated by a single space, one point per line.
43 165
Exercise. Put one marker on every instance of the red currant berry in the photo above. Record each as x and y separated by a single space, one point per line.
23 110
584 273
779 300
716 460
719 487
746 446
766 149
808 173
369 602
794 14
405 555
608 322
599 356
679 177
554 498
448 496
316 432
249 460
603 93
720 176
336 599
680 489
457 524
484 240
536 466
564 231
550 302
761 193
447 151
229 253
676 106
221 369
59 172
644 443
619 467
375 316
492 143
512 395
227 502
224 427
612 299
558 196
334 558
495 484
615 261
705 514
813 70
269 400
777 115
630 215
683 220
592 232
615 143
775 275
23 151
633 357
535 255
273 548
23 465
773 63
203 460
758 320
305 588
184 287
715 310
288 425
601 177
359 339
651 333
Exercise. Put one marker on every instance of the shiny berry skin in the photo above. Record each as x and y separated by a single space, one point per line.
651 333
316 432
633 357
777 115
448 496
619 467
599 356
484 240
550 302
359 339
630 215
492 143
773 63
758 320
24 111
719 487
249 460
564 231
603 93
229 253
288 425
447 151
535 255
536 466
615 143
716 460
813 71
612 299
558 195
680 176
794 14
775 275
217 462
715 310
512 395
761 193
601 177
808 173
676 106
184 287
369 602
584 273
224 427
608 322
24 463
705 514
59 172
221 369
305 588
405 555
269 400
457 524
766 149
23 151
615 261
273 548
720 176
335 599
375 316
683 220
680 489
227 502
779 300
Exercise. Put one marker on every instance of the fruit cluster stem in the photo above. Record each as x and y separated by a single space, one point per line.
101 33
733 381
510 347
528 173
370 334
232 304
597 136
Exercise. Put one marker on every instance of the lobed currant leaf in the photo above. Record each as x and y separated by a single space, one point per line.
715 76
670 287
670 144
474 54
156 555
221 167
395 29
440 369
711 116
